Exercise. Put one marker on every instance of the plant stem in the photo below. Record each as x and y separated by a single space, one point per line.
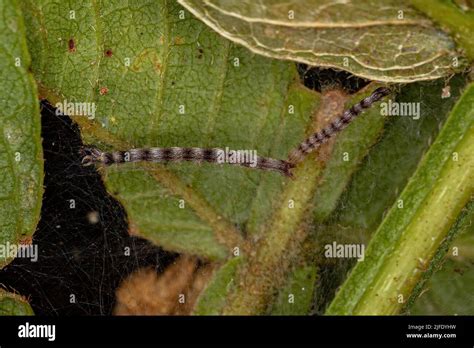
267 267
417 224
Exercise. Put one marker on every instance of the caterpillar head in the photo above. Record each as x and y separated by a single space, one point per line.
286 169
90 155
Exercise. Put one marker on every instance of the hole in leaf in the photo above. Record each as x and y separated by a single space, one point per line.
320 79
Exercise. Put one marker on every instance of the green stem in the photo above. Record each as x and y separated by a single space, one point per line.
260 275
415 227
267 268
463 224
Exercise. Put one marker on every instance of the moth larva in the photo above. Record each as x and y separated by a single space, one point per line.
93 155
319 138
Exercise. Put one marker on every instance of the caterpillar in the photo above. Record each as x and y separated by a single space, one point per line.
93 155
319 138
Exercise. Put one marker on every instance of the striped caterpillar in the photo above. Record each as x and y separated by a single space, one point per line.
93 155
319 138
178 154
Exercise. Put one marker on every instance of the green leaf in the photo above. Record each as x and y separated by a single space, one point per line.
449 292
459 23
349 151
297 295
12 304
21 163
412 232
230 96
212 299
169 80
341 35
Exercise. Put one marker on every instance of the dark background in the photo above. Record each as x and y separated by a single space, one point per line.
77 255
